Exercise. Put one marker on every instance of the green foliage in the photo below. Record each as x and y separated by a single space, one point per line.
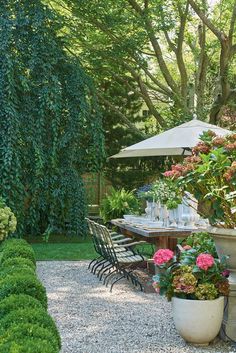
7 220
30 316
18 301
13 270
23 331
15 262
28 345
23 284
18 251
50 128
118 203
201 242
12 242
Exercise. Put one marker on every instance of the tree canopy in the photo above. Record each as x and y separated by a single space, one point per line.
50 125
179 54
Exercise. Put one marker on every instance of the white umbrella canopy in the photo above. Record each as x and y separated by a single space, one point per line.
173 142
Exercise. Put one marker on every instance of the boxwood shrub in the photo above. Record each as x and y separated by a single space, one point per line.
32 316
27 345
8 271
18 251
25 326
23 284
18 262
18 301
27 330
14 242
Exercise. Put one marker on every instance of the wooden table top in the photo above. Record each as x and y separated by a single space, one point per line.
147 231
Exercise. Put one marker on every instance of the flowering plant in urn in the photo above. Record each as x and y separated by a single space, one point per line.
7 220
210 175
193 275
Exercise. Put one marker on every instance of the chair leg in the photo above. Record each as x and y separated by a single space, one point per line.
105 265
108 267
94 260
97 264
118 279
107 277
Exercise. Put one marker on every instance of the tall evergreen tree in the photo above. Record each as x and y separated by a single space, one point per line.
50 128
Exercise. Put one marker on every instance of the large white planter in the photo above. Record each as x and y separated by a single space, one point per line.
198 321
225 241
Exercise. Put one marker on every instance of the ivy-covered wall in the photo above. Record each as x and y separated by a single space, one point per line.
50 127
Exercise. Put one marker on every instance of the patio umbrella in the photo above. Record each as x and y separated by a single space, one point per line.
173 142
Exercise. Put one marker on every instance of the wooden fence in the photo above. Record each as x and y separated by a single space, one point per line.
96 187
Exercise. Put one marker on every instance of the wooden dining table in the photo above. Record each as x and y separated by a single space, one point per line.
162 237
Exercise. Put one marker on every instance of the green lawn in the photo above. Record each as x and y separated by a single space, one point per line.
64 251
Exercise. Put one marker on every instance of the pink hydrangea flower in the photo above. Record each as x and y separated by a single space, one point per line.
205 261
162 256
226 273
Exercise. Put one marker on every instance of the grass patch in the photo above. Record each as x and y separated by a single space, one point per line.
64 251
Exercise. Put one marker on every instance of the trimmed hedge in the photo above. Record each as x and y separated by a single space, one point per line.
27 345
18 262
23 284
18 301
9 271
29 316
28 330
14 242
25 326
18 251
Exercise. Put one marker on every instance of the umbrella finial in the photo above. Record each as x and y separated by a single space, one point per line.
194 116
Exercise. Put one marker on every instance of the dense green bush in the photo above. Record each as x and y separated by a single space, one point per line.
18 251
31 316
118 203
25 326
18 301
202 242
28 330
23 284
13 242
18 262
27 345
10 271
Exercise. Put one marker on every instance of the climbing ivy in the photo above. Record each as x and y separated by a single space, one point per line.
50 126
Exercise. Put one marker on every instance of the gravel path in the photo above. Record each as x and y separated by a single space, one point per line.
93 320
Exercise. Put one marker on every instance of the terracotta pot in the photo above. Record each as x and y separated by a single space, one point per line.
198 321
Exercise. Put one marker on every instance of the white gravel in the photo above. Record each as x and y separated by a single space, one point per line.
93 320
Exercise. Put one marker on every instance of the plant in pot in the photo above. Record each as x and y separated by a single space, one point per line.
118 203
210 175
196 284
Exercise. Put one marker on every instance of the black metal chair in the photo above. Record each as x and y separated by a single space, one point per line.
116 258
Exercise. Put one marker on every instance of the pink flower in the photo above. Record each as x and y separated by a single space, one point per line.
168 173
187 247
162 256
226 273
204 261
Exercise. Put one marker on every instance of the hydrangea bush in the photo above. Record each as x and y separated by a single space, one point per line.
210 175
191 276
7 220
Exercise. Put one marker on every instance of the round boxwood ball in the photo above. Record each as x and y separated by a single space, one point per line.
32 316
23 284
18 301
17 262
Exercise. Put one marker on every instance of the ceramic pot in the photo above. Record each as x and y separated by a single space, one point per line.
198 321
225 241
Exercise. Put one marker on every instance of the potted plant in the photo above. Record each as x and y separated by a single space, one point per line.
210 175
117 203
196 284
